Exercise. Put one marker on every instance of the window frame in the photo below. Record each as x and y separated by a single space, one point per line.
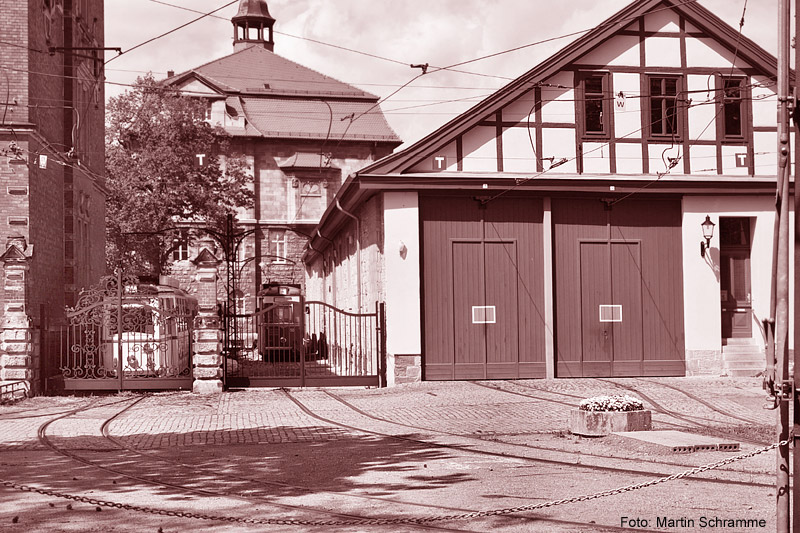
744 110
680 112
181 252
606 105
278 246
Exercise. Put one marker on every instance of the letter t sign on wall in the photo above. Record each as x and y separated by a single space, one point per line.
439 163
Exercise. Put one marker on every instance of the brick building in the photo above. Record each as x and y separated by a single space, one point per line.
302 133
52 200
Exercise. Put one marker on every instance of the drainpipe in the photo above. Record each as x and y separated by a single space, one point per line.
358 248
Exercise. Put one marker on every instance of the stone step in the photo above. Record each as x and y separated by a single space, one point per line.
741 349
681 442
744 356
739 342
744 367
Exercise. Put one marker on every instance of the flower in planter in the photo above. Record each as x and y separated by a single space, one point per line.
612 403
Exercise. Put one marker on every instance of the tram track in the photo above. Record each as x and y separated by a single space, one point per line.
104 429
690 422
53 445
573 405
507 455
669 412
494 437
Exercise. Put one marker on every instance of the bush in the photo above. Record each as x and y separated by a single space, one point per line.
612 403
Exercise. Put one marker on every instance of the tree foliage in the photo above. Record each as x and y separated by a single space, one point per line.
154 181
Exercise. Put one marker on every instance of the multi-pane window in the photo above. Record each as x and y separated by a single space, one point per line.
664 112
595 116
733 126
181 252
312 200
277 246
595 104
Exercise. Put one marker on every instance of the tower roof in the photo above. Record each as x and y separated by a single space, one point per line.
253 9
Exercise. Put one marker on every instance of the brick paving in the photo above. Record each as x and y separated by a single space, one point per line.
522 407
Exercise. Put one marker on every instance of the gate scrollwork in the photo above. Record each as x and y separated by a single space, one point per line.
121 329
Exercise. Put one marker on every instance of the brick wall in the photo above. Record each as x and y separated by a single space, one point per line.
47 237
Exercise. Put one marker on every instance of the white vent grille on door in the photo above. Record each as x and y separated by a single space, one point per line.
610 313
483 314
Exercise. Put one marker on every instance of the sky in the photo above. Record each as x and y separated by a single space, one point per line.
383 38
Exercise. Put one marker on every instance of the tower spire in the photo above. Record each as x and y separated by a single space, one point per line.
252 25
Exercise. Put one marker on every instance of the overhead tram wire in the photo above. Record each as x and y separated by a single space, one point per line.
710 122
204 15
689 106
450 68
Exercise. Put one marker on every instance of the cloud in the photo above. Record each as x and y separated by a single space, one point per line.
438 32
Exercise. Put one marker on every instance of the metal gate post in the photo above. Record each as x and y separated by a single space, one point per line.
381 339
119 329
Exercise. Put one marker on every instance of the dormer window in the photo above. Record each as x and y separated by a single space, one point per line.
594 104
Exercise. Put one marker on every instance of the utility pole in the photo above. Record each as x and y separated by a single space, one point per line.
796 383
782 270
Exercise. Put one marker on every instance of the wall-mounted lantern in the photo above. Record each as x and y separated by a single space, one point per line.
708 232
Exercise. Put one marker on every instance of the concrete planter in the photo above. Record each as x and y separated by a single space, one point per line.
601 423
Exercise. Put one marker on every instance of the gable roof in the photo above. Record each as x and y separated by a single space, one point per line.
694 13
257 71
362 184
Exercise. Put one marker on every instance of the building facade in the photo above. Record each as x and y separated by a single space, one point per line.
302 133
52 229
554 229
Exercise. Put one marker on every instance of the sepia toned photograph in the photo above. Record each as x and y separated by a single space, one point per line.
338 265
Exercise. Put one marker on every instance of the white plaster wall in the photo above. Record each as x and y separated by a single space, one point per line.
558 105
706 52
518 155
704 160
559 143
596 158
729 167
628 119
403 307
662 21
702 118
629 158
519 109
701 286
765 102
658 156
448 151
480 149
663 52
621 50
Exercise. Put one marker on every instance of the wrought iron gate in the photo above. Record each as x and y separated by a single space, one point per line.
304 344
123 334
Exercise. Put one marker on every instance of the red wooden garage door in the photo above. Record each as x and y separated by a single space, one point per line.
482 288
618 288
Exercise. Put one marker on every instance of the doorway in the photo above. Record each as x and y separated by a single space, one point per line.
735 290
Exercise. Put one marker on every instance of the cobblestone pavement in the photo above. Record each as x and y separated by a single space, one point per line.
169 419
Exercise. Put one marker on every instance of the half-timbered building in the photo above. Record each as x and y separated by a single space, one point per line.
556 228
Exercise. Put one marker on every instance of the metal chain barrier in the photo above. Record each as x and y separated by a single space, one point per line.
391 521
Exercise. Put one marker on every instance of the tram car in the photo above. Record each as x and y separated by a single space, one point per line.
155 320
279 323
